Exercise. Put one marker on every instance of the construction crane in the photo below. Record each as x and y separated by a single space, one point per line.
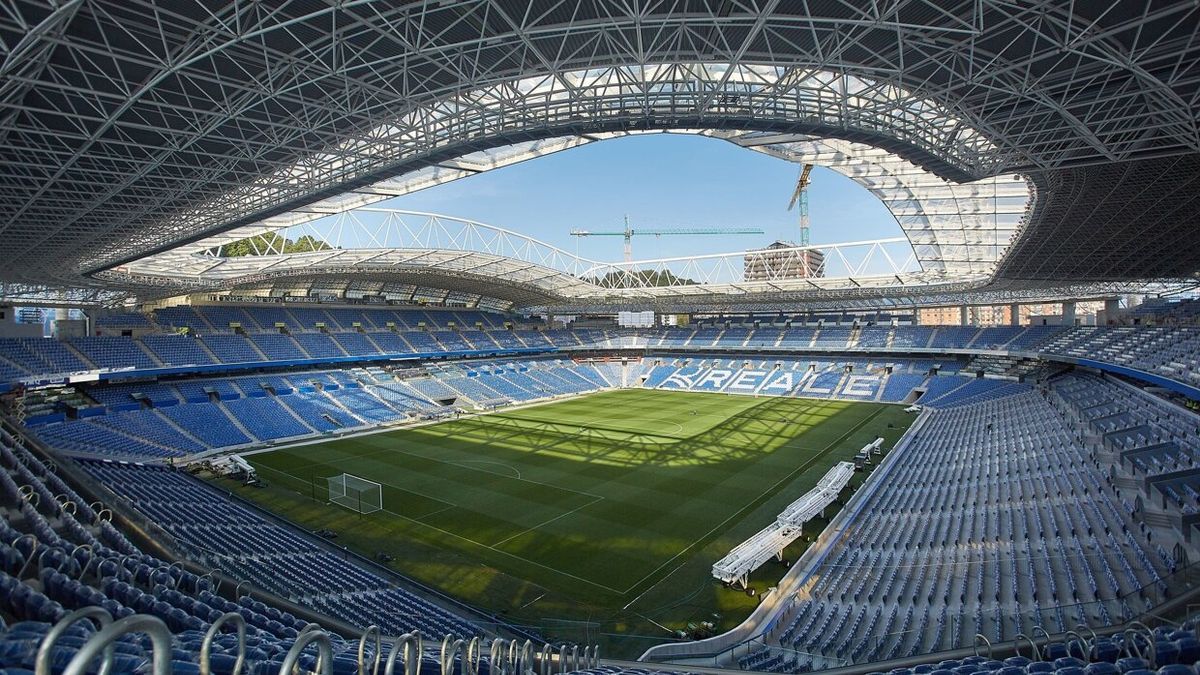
801 196
629 233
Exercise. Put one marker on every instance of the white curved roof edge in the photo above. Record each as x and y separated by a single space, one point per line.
968 236
394 238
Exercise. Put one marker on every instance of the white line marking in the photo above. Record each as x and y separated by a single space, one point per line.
434 513
653 586
510 467
533 601
542 524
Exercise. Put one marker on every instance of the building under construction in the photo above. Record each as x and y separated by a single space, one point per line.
783 260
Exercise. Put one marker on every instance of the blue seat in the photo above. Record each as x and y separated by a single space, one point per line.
1054 651
1165 653
1105 650
1101 668
1189 649
1131 663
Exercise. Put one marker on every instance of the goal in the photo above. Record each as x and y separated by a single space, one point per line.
356 494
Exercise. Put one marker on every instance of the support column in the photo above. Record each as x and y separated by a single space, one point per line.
1112 307
1014 314
1068 313
962 316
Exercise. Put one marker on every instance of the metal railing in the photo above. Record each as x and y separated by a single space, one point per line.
467 656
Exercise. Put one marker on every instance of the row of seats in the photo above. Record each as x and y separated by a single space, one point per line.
1167 650
184 417
1153 444
221 534
60 555
1171 351
22 358
992 519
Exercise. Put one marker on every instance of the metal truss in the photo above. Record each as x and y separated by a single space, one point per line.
1133 220
128 127
27 295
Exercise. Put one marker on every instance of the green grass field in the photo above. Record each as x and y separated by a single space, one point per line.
595 518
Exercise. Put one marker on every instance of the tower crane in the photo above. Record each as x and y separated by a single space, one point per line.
629 233
801 195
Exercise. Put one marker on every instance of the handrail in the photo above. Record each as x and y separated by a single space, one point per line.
1152 647
1078 640
1132 644
362 647
472 657
29 559
523 662
410 645
100 615
91 556
450 646
978 637
324 664
160 637
498 660
1036 653
30 495
213 630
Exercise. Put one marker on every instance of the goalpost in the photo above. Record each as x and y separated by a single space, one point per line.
354 493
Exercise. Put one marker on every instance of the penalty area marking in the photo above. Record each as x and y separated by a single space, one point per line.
482 545
516 473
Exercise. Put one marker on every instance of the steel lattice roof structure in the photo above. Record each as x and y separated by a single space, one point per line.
134 133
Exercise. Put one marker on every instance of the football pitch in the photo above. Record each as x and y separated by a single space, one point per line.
606 510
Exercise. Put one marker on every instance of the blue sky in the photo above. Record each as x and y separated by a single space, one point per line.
659 180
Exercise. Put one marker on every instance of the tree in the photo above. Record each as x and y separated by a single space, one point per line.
272 243
305 244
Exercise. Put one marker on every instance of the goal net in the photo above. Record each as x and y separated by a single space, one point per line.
354 493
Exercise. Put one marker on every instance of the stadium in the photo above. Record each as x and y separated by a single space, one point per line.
256 416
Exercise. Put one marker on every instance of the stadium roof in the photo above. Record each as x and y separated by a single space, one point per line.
131 128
